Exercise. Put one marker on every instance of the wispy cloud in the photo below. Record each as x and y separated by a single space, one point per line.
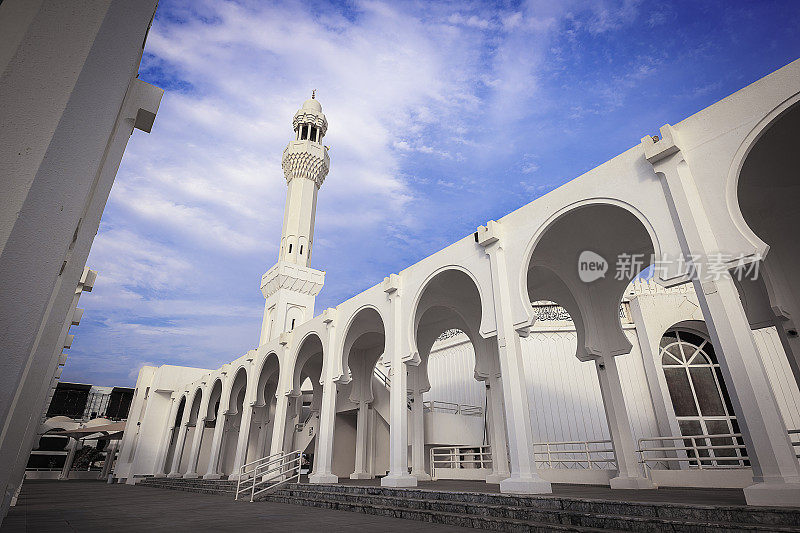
441 117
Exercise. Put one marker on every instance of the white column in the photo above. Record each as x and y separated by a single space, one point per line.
524 479
180 441
323 456
398 406
111 452
497 430
262 437
197 443
166 439
244 429
360 470
279 423
212 471
418 438
74 446
776 471
628 474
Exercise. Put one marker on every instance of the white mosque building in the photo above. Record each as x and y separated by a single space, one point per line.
530 352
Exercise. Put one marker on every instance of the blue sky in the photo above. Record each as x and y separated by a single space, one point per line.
442 116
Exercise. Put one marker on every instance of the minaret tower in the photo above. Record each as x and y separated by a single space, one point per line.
291 286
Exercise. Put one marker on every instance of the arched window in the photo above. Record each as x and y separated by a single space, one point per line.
699 397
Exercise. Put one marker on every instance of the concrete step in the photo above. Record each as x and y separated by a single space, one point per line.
535 517
204 486
757 516
502 512
439 517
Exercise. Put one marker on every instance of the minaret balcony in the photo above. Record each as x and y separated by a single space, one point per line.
290 276
305 159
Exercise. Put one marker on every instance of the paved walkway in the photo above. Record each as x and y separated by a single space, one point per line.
595 492
60 506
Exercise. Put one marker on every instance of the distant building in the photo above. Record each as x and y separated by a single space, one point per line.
75 405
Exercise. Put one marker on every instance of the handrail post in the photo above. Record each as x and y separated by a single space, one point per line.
588 455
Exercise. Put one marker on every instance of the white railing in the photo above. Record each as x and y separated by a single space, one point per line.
577 454
795 443
454 408
720 451
268 473
460 458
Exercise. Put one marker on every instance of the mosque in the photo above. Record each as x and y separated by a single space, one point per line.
533 351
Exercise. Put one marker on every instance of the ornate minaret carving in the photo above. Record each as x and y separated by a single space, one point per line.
290 287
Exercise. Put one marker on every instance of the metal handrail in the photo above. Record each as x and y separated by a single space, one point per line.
795 443
387 382
591 460
460 457
454 408
256 473
691 452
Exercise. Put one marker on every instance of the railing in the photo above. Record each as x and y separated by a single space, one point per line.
268 473
454 408
719 451
382 377
387 382
460 458
795 443
577 454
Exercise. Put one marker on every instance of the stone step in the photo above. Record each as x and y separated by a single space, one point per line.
439 517
770 516
527 515
503 512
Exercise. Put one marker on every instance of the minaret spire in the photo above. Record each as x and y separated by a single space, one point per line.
290 287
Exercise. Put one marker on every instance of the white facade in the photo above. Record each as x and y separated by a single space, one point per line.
718 188
69 101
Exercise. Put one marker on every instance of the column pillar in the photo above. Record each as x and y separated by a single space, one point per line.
398 406
418 438
775 468
628 474
74 446
262 437
360 470
166 439
776 472
197 443
212 471
524 479
279 423
248 406
323 456
181 440
497 430
109 461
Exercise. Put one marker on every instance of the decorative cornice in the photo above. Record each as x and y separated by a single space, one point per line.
290 276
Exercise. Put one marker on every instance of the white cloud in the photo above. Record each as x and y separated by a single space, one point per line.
200 199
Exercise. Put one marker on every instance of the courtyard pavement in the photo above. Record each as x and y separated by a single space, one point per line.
77 505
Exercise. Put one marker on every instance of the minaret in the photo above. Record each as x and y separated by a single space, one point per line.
291 286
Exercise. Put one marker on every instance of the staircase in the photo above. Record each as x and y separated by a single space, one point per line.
304 433
499 512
